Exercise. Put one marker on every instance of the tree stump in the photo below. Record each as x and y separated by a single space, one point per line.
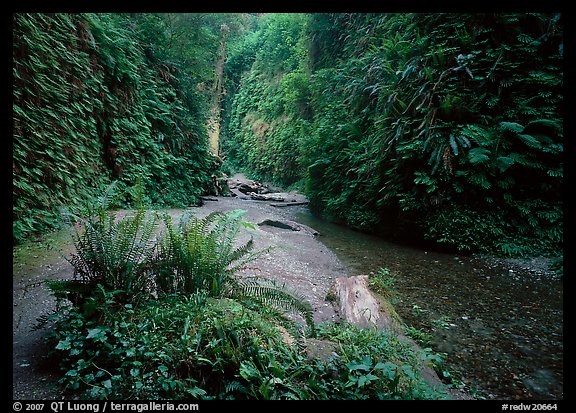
358 305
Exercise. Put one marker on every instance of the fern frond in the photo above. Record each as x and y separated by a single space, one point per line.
271 293
511 127
478 155
110 251
242 261
453 145
201 253
234 387
242 250
530 140
479 135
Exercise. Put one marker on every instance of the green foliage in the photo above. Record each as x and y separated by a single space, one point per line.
122 253
55 147
414 125
383 282
102 97
200 253
122 273
420 336
116 253
275 295
174 348
376 365
193 347
175 322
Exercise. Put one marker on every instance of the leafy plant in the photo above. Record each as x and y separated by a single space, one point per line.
420 336
93 102
441 128
195 347
115 253
201 254
383 282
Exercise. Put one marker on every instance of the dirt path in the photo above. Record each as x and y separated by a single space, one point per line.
302 262
32 264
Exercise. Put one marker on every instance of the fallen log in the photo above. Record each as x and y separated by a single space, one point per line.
291 225
260 197
287 204
280 224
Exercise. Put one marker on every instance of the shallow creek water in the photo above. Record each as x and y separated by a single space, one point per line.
500 327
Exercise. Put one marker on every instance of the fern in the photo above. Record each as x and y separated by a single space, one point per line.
530 140
503 163
201 253
478 134
116 253
511 127
271 293
478 155
234 387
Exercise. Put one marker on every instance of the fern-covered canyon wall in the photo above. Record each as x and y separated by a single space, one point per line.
101 97
444 128
437 128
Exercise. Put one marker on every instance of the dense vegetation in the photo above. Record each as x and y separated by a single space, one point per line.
160 313
438 127
444 128
102 97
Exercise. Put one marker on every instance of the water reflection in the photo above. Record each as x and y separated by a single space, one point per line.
502 329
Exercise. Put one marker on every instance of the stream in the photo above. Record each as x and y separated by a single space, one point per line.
499 326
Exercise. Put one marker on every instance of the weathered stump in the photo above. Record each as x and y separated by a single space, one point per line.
358 305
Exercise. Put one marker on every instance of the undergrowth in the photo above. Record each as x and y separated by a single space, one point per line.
175 321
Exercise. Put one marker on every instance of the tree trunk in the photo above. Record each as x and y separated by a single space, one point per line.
217 92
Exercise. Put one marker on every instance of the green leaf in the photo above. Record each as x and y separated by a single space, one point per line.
529 140
504 162
72 373
353 366
63 345
98 334
512 127
453 145
409 372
